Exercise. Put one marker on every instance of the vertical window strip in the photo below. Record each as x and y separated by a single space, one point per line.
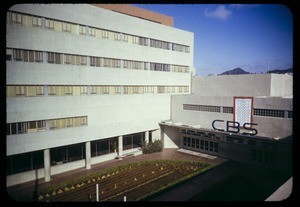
82 30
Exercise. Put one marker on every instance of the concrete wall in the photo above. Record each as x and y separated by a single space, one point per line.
243 85
267 126
108 116
281 85
171 137
232 85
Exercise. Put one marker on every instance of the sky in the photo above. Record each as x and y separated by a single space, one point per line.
254 37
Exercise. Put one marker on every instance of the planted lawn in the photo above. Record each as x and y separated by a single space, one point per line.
136 181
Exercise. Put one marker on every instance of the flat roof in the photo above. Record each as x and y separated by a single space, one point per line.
139 13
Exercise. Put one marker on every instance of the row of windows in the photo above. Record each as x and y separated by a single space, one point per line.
44 125
63 26
194 143
200 134
201 108
257 112
63 90
269 112
69 59
263 156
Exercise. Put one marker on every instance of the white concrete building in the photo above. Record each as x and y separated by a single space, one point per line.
248 118
83 81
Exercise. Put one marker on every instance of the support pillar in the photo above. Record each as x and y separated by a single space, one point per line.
47 165
88 155
147 137
162 136
120 146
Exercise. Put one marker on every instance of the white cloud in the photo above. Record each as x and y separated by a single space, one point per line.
244 6
221 12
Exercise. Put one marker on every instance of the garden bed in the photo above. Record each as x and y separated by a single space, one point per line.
136 181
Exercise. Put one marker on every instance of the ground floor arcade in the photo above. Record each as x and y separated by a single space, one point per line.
44 163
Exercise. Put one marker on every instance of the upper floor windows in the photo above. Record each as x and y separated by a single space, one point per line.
269 112
70 59
45 125
75 90
69 27
24 55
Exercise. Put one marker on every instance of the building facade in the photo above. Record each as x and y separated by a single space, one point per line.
247 118
85 84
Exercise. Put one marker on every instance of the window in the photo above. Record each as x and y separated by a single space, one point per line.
92 31
116 63
135 39
83 120
269 112
82 60
50 57
66 27
68 90
125 37
228 110
49 24
16 18
118 89
151 89
20 90
106 62
38 56
105 89
18 55
58 58
105 34
53 124
290 114
51 90
30 91
69 122
83 90
95 61
145 89
41 125
142 41
160 89
32 126
135 89
82 30
173 89
201 108
37 21
117 36
93 89
22 127
9 53
67 59
10 91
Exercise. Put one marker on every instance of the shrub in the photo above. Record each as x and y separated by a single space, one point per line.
152 147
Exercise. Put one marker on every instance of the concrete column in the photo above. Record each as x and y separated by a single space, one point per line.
120 146
162 136
147 137
47 165
88 155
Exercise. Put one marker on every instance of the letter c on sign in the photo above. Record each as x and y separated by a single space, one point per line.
213 124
